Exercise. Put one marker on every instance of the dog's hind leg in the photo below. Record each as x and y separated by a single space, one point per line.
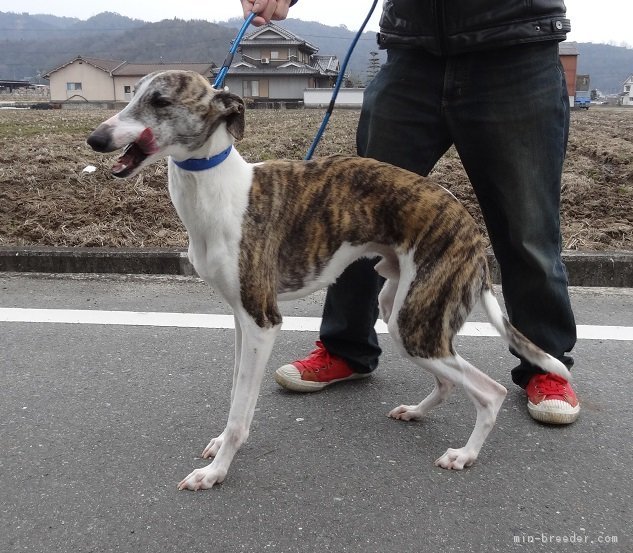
439 393
257 343
388 268
486 394
427 314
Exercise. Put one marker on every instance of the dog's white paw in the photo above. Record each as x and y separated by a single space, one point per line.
456 459
406 413
213 447
203 479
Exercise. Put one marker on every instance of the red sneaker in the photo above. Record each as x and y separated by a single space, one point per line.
318 370
551 399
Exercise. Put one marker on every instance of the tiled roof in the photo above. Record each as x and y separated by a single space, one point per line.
125 69
292 70
283 36
327 63
140 69
104 65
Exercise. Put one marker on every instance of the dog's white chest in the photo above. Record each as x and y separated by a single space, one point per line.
211 205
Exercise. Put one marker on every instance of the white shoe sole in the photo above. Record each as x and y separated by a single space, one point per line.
289 377
554 411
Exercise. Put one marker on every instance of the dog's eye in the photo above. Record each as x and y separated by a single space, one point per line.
159 101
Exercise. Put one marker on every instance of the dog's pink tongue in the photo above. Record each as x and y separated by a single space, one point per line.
146 142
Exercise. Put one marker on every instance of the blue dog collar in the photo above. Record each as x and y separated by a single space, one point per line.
202 164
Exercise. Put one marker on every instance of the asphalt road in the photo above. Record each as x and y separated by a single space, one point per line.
99 422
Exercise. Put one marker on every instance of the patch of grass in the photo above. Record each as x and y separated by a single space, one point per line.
29 123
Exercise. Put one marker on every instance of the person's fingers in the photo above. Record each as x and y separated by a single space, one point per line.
283 6
266 10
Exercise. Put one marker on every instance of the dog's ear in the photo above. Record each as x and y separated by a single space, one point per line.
231 108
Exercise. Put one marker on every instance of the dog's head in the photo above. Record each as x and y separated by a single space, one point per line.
176 113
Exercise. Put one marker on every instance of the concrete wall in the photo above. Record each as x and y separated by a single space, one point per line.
287 87
279 88
39 94
320 97
97 85
119 88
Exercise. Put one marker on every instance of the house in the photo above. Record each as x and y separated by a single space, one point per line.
626 96
91 80
568 54
9 87
583 92
277 66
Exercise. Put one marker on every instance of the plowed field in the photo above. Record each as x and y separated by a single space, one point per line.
47 199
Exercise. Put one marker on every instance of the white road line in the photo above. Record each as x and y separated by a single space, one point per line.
199 320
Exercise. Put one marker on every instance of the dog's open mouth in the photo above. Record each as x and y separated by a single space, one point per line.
135 154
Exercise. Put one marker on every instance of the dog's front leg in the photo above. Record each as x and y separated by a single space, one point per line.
257 343
214 445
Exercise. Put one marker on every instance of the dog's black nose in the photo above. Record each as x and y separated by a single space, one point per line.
99 140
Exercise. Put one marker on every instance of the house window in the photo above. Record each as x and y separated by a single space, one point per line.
250 89
127 89
73 86
282 54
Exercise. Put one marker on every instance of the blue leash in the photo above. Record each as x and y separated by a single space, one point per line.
219 80
337 86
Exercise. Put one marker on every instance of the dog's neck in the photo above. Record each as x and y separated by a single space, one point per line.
204 163
215 150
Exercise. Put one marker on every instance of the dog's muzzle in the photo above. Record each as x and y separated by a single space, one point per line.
134 154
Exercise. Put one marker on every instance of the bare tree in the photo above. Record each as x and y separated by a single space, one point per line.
374 65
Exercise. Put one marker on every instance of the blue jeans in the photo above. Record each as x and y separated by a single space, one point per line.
507 113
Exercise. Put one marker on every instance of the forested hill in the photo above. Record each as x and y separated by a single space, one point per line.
31 45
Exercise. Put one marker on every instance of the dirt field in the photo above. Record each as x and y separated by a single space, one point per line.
46 199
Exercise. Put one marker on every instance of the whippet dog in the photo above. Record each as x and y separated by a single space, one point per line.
280 230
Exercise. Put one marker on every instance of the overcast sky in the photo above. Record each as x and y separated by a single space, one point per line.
606 21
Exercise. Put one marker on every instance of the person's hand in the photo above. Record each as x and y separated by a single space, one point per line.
266 10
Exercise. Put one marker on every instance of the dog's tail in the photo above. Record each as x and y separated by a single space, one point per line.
517 341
